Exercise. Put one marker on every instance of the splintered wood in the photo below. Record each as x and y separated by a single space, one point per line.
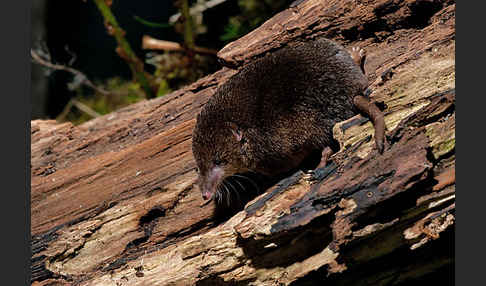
113 201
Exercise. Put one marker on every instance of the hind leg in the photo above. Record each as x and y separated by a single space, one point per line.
359 56
376 117
365 106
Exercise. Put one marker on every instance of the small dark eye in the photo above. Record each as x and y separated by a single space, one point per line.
218 162
197 170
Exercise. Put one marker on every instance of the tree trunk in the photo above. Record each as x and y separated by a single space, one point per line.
114 202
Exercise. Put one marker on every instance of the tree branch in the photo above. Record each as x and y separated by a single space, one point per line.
39 60
149 43
124 49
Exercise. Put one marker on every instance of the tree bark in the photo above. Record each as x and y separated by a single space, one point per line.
114 202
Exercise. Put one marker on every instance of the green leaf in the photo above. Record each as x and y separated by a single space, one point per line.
152 24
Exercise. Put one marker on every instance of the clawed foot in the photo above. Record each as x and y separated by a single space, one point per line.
359 56
325 155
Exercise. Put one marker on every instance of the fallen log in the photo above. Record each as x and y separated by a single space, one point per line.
114 202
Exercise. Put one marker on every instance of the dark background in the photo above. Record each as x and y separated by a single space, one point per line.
78 25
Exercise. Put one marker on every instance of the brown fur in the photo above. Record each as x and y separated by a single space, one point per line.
283 106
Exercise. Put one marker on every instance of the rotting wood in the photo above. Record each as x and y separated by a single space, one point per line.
113 200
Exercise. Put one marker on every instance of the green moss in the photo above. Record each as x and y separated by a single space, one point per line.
163 88
176 70
444 147
253 14
442 137
122 93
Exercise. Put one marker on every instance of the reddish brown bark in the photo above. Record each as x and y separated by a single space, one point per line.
113 201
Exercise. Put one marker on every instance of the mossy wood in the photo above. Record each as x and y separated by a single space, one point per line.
113 200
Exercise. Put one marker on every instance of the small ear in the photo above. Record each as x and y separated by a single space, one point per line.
237 133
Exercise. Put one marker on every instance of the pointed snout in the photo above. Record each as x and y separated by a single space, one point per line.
209 183
206 195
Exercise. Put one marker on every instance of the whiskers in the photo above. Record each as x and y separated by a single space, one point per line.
236 190
255 185
218 197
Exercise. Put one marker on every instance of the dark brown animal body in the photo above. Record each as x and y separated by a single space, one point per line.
276 111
